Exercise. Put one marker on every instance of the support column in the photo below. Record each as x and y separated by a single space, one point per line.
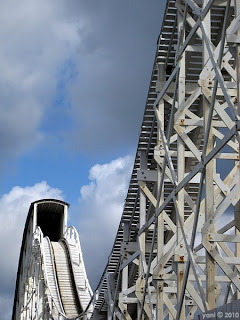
109 294
237 232
160 198
34 217
237 206
237 13
209 204
125 270
180 173
142 221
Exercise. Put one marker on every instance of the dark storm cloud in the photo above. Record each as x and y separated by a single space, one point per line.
109 47
37 40
115 61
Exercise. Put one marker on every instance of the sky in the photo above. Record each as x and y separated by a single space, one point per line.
73 84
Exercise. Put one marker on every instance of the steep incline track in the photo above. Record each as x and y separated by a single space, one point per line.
51 273
51 280
65 279
185 179
176 254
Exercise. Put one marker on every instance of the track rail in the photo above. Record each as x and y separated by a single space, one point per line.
51 280
66 281
50 274
177 249
72 241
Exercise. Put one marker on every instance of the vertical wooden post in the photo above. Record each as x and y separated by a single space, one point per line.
160 220
237 206
181 169
142 220
125 270
237 232
34 216
209 203
237 13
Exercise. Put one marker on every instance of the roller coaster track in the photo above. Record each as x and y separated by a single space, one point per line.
176 254
50 274
177 251
51 279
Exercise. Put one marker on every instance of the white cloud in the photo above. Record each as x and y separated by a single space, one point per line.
14 208
41 39
37 40
101 206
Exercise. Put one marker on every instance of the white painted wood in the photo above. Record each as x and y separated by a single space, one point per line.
184 184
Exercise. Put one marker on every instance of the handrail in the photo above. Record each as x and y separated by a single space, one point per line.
64 241
39 237
72 233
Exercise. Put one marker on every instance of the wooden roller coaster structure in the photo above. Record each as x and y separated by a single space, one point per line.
176 254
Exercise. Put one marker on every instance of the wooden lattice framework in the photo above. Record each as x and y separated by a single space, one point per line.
177 249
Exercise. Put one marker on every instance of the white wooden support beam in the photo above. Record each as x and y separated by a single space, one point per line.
191 127
125 268
142 221
160 191
237 233
181 165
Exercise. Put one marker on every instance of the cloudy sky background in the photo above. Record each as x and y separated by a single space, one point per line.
73 84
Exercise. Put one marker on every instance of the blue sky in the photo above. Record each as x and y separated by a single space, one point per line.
73 85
